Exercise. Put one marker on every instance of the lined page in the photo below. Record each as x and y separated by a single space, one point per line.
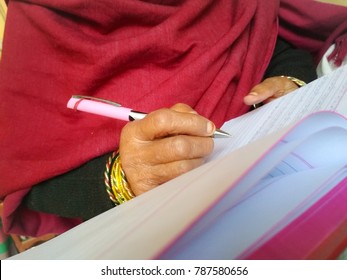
328 93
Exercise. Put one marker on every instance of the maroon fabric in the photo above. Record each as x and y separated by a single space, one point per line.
142 54
340 41
314 26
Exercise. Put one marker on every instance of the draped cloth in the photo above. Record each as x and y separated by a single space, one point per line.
315 26
142 54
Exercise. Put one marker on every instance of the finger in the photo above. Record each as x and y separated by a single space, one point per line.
153 176
269 89
183 108
180 147
167 122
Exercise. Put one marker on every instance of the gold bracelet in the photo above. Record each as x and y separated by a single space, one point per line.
296 81
116 183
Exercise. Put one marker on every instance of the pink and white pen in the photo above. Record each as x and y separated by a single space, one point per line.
103 107
107 108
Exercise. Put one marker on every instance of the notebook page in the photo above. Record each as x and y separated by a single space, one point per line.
237 228
287 196
311 155
322 129
306 187
327 93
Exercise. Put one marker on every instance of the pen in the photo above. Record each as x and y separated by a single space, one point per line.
107 108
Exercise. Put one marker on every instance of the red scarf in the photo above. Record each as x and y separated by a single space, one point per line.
142 54
315 26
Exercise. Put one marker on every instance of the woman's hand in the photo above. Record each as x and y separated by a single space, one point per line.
164 145
269 90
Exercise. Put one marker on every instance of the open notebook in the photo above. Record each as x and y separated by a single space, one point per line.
281 179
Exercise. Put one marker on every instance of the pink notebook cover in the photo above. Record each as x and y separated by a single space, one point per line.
320 233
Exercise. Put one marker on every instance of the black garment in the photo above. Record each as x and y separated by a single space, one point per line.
81 193
288 61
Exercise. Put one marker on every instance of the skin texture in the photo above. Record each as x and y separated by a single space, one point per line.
170 142
179 131
269 89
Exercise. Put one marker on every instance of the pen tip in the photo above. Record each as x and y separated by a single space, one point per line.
221 134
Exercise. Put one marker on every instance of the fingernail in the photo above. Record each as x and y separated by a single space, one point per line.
210 127
253 93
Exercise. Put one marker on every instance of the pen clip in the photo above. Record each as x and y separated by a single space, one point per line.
97 99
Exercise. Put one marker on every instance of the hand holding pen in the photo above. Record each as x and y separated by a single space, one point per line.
163 145
114 110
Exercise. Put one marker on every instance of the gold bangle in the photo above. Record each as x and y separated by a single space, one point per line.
296 81
116 183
